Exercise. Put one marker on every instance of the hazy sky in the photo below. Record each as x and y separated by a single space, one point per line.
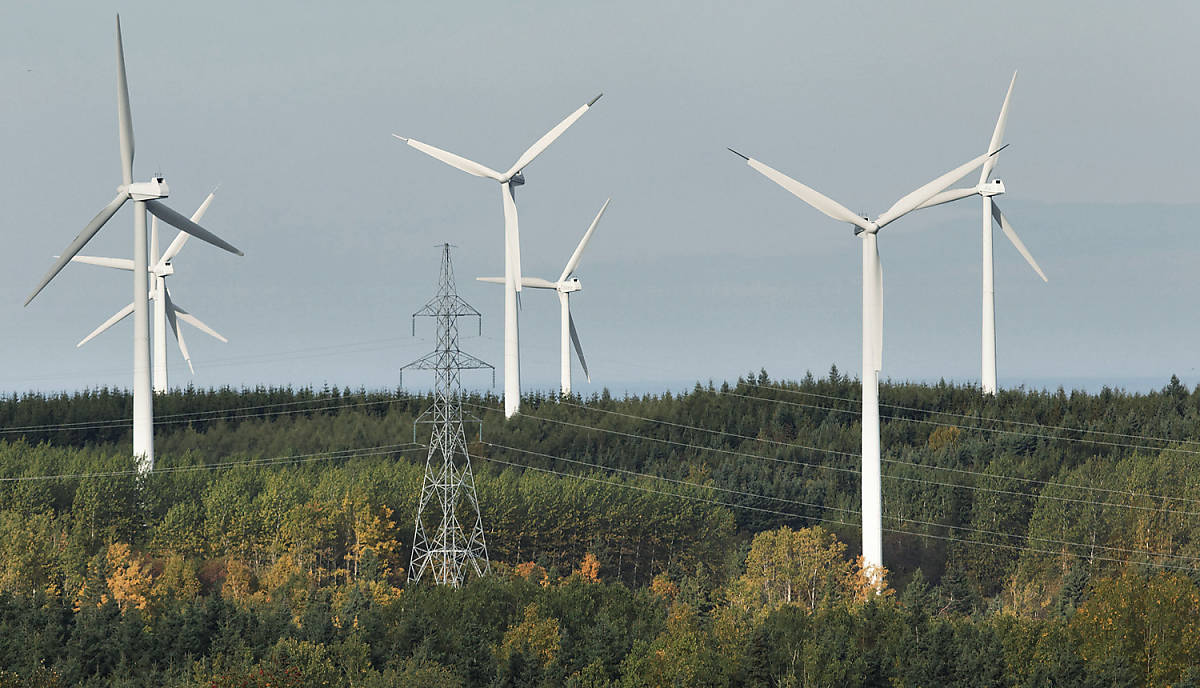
701 268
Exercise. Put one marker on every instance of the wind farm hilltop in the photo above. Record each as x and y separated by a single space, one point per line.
346 490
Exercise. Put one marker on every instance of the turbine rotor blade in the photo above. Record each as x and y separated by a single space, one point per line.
124 118
196 323
878 310
948 197
998 133
77 245
468 166
178 221
547 139
913 200
575 341
191 319
814 198
512 237
153 257
181 238
175 327
116 318
532 282
117 263
1016 240
578 254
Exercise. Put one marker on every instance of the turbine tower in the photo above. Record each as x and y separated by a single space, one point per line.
441 547
872 326
166 311
512 240
145 196
988 190
566 284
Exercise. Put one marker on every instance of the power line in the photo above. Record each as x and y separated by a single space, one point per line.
747 507
673 480
686 445
980 531
964 471
195 417
222 414
982 418
295 458
1001 431
848 470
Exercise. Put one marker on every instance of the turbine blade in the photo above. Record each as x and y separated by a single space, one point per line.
468 166
75 246
878 310
178 221
578 254
998 133
544 142
175 327
117 263
814 198
512 236
116 318
180 239
191 319
153 257
533 282
948 196
575 341
124 118
914 200
1016 240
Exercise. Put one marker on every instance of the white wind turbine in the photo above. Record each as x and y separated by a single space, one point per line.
512 240
166 311
566 284
145 197
872 325
987 190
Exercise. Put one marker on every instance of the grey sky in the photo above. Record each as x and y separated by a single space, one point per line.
701 268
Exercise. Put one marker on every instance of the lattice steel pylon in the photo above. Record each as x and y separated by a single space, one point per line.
441 547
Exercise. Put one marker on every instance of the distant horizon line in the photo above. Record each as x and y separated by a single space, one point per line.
1132 384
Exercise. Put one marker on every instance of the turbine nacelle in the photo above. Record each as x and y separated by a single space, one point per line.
517 179
568 286
992 188
146 191
162 270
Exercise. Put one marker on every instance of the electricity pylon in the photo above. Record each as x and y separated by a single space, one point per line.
441 546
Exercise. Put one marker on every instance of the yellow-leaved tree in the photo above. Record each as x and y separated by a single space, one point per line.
129 580
806 567
532 644
589 568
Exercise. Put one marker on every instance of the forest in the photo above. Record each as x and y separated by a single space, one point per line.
705 538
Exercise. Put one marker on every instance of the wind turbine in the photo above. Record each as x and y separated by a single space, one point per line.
166 311
872 325
566 284
145 196
988 190
512 240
